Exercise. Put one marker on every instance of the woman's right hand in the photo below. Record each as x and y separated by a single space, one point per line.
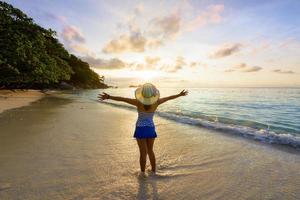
103 96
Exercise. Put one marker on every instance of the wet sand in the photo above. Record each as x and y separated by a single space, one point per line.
14 99
59 148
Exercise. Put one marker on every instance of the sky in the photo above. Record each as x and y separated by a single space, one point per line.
183 43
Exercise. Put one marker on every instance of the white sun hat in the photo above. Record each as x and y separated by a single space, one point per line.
147 94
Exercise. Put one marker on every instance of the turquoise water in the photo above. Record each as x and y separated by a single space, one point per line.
268 114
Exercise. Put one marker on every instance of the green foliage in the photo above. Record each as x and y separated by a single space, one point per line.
31 56
83 77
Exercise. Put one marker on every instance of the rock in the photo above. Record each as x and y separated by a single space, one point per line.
65 86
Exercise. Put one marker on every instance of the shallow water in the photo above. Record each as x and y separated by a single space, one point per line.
271 109
267 114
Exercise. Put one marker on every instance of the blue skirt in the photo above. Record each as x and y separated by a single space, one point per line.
142 132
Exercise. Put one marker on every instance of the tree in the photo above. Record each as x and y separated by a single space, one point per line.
83 76
31 56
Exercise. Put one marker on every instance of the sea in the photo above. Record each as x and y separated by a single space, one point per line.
270 115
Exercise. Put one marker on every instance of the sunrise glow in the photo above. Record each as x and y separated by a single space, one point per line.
199 43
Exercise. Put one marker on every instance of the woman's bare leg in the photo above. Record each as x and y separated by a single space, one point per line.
143 153
151 154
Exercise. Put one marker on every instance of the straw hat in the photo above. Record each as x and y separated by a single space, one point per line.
147 94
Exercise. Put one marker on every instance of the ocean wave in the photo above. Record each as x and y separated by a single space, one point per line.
262 135
248 132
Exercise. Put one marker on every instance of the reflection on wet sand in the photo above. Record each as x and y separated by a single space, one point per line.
147 188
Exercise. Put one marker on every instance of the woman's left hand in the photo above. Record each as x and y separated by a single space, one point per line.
103 96
183 93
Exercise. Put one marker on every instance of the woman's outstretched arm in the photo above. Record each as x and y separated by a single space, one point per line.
105 96
165 99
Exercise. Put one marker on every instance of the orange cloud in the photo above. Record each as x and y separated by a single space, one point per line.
179 63
154 43
79 48
227 50
243 67
252 69
283 71
134 42
99 63
159 30
152 60
167 27
194 64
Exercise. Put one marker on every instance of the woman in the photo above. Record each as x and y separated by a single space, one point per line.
146 100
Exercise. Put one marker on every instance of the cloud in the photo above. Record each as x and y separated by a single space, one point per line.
227 50
288 43
152 60
72 33
210 16
194 64
252 69
214 13
140 66
283 71
133 42
154 43
166 27
261 48
99 63
51 16
151 63
160 29
79 48
138 9
243 67
229 70
179 63
74 39
137 66
170 26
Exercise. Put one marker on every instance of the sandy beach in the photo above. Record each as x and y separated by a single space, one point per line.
59 148
14 99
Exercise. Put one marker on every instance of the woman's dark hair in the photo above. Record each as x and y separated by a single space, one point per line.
147 107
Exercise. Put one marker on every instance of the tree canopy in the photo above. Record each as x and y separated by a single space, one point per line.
32 57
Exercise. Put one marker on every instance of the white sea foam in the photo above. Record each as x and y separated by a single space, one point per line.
248 132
